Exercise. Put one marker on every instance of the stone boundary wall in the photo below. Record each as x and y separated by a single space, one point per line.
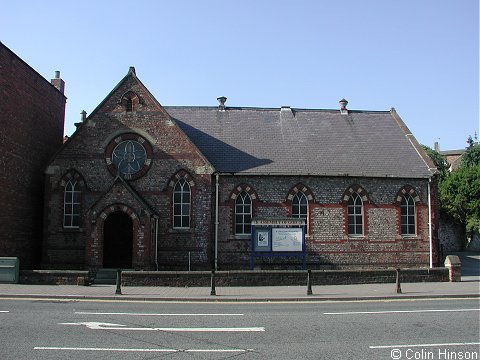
240 278
281 277
54 277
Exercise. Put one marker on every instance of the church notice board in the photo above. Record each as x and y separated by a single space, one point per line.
278 237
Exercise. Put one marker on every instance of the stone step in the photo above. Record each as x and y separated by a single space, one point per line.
106 277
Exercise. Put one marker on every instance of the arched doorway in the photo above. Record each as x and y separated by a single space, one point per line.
117 241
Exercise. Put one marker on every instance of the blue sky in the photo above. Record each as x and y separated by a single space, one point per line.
419 56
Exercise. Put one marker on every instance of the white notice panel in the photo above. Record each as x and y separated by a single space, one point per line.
286 239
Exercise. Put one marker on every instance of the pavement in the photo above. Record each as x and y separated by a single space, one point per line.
466 289
469 287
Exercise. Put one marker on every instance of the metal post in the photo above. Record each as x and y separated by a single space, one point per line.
212 281
118 291
399 289
309 282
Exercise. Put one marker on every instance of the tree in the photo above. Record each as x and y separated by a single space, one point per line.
439 160
471 157
460 196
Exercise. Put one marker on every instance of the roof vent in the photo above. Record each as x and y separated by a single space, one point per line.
83 115
286 112
221 102
343 107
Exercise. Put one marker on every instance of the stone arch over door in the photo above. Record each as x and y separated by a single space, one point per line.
118 240
96 245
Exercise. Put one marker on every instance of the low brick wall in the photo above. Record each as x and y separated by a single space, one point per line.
240 278
54 277
280 277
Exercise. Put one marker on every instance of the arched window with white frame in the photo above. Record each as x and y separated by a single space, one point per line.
71 204
243 214
407 215
181 205
355 215
300 206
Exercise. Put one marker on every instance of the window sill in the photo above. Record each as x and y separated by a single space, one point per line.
181 230
356 237
410 237
242 237
71 229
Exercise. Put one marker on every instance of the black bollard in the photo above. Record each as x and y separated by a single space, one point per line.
309 282
118 291
212 281
399 288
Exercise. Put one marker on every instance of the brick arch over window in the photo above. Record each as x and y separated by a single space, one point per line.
300 188
130 101
407 189
244 187
73 175
181 174
243 198
355 189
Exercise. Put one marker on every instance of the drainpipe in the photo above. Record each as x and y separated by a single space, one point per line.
156 241
430 240
216 220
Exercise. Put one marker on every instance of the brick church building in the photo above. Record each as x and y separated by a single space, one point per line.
145 186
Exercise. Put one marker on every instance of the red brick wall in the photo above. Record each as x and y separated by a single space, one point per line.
31 130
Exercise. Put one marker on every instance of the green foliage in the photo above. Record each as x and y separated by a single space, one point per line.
460 196
439 160
471 157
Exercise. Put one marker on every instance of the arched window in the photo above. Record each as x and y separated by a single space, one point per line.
300 206
355 215
130 101
129 105
181 205
243 214
407 215
71 204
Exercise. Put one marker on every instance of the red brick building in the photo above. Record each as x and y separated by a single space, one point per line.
32 112
144 186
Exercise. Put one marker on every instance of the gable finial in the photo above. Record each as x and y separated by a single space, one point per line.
131 69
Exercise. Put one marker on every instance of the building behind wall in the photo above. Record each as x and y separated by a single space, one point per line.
32 114
136 186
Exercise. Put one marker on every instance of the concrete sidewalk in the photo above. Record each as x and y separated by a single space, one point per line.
270 293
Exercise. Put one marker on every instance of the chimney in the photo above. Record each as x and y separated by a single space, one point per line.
343 107
58 82
83 118
221 102
436 147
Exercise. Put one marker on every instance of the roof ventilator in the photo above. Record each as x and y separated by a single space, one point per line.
221 102
343 107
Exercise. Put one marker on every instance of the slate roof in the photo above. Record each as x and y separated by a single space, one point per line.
259 141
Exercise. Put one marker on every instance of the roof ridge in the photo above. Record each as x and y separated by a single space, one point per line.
207 107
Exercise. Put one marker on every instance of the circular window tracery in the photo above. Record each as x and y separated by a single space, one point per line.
128 155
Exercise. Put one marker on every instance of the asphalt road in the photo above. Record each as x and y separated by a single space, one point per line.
414 329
